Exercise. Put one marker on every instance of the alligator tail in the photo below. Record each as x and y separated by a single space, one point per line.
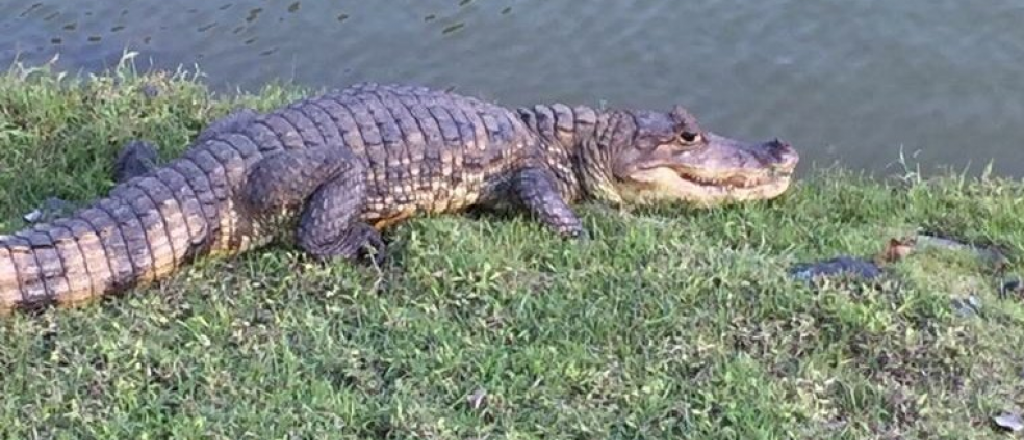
141 231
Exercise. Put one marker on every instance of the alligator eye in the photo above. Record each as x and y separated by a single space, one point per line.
690 137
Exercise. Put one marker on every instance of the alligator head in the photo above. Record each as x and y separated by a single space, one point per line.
669 157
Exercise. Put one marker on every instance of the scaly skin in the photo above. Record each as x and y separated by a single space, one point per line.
328 173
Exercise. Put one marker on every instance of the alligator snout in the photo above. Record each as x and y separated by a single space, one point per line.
785 155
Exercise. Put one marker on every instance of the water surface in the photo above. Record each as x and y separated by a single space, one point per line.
852 81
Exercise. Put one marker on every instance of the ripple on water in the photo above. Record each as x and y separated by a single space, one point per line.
843 80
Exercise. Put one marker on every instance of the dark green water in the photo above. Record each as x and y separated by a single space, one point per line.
851 81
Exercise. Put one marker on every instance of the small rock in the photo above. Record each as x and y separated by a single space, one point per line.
1010 421
476 400
33 216
966 307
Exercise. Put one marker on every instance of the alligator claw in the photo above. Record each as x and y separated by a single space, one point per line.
374 251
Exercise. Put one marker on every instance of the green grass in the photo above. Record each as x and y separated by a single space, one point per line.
671 323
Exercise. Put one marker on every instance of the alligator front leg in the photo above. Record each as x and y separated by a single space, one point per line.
537 192
328 184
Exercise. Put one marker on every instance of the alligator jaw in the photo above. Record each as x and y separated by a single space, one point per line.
668 183
719 171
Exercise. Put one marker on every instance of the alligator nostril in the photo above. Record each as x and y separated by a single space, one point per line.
783 151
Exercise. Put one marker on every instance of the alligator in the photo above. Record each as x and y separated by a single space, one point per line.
329 173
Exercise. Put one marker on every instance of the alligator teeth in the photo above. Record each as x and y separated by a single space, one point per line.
706 180
731 181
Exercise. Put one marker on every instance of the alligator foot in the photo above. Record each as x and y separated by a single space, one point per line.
537 191
359 243
52 208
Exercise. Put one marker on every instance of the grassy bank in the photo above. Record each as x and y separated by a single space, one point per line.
670 323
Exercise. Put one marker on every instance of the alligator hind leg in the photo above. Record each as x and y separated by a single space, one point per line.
136 158
537 191
234 120
329 228
327 184
139 157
